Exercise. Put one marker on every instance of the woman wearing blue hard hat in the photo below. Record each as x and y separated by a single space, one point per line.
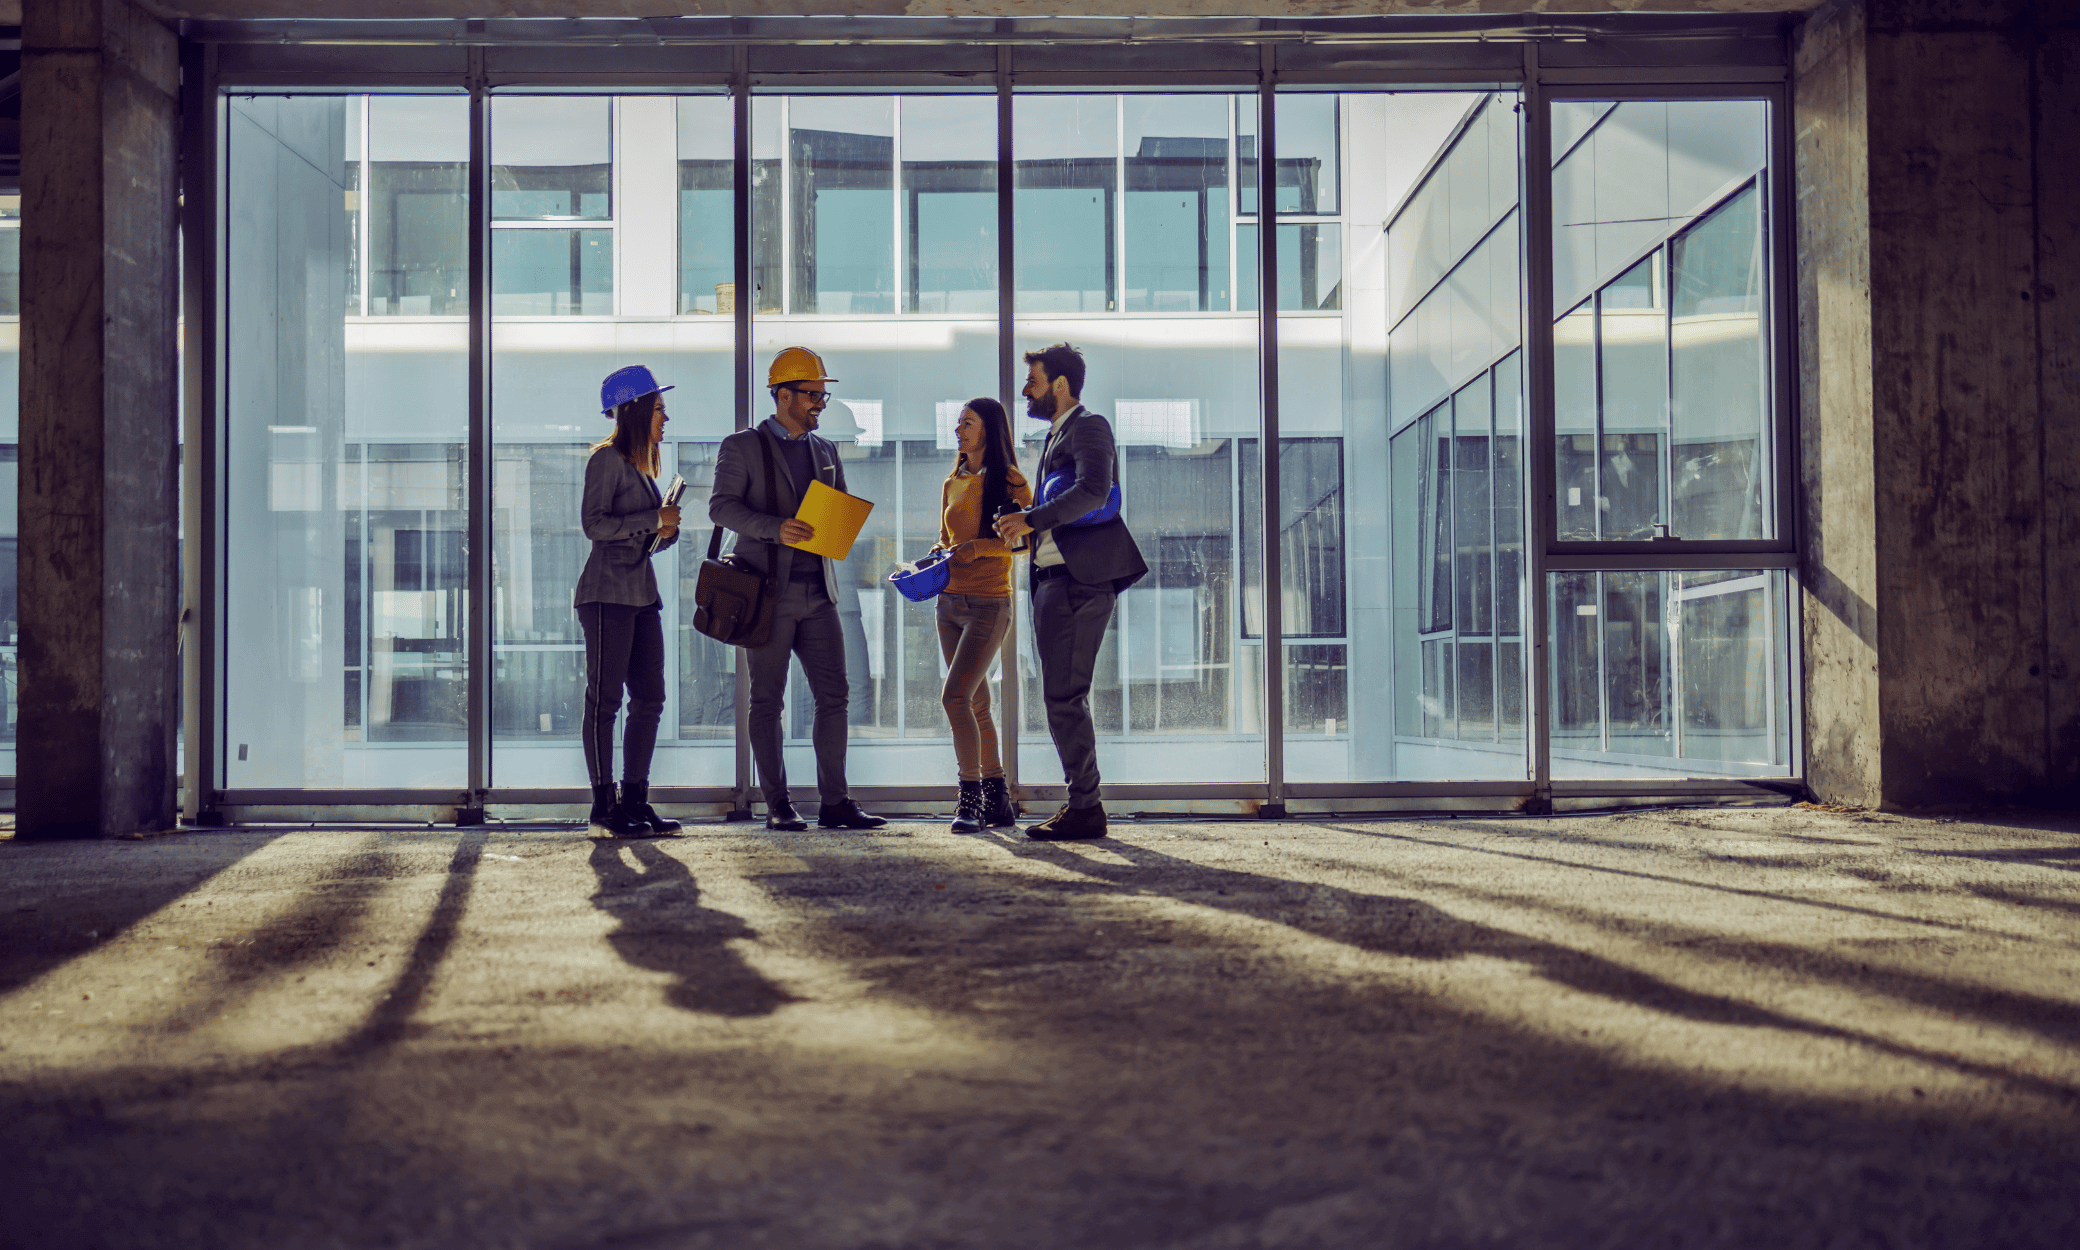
618 604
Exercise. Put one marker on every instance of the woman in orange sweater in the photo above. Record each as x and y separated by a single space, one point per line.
975 609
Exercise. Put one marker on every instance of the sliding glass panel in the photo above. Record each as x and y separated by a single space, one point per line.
922 245
345 518
546 419
1670 675
841 218
1179 381
707 220
949 204
418 172
1176 203
1066 170
1661 262
1438 631
1719 383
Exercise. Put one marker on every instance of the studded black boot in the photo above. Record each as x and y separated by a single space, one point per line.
997 808
635 805
607 818
967 810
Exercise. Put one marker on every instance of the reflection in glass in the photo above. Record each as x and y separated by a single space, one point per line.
1669 673
1065 154
1310 536
1574 422
841 154
1639 172
707 222
1719 414
1661 406
418 152
1176 203
552 272
550 158
406 526
950 203
1458 555
344 514
1307 154
1310 267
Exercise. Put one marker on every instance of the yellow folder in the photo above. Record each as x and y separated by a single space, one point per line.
837 518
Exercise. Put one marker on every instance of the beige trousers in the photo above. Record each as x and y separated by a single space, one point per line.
970 631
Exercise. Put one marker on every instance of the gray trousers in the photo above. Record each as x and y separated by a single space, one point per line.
805 625
1069 620
970 631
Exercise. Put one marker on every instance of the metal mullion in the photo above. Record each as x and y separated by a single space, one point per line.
740 259
1535 198
1116 298
1778 311
1494 568
786 216
1267 441
1009 678
898 255
202 309
366 173
477 633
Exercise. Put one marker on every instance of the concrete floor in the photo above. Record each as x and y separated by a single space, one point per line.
1735 1027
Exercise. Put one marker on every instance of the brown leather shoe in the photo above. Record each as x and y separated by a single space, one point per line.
1071 824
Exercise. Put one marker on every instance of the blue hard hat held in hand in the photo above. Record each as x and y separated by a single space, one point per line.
1061 480
922 581
622 385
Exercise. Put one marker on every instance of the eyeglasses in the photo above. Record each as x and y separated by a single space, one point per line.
814 397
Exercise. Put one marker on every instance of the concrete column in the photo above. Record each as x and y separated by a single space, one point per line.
99 514
1939 217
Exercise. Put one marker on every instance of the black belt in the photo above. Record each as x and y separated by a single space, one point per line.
1044 572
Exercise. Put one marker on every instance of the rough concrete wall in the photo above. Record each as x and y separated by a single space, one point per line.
2057 70
98 505
1840 570
1959 466
1938 430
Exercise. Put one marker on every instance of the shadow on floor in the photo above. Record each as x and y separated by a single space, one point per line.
664 928
1415 929
50 914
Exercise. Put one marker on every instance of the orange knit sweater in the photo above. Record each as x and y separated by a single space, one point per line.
988 575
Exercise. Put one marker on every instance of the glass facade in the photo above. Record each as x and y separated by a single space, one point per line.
1665 434
1125 204
1399 529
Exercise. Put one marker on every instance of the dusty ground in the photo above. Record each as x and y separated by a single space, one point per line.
1775 1028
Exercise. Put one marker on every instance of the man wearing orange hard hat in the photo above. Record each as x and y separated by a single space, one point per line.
760 477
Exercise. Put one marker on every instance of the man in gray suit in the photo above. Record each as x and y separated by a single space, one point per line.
805 619
1078 572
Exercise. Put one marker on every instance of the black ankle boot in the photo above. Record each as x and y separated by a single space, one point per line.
997 808
967 810
608 818
635 804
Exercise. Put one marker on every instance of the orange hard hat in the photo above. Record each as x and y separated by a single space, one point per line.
797 364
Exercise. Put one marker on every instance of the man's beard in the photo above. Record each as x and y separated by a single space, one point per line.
1041 406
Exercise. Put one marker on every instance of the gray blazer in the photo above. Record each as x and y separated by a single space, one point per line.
1094 554
739 501
619 514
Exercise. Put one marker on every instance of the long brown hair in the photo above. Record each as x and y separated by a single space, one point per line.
998 456
631 436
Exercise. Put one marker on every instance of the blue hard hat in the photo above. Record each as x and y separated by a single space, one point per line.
622 385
